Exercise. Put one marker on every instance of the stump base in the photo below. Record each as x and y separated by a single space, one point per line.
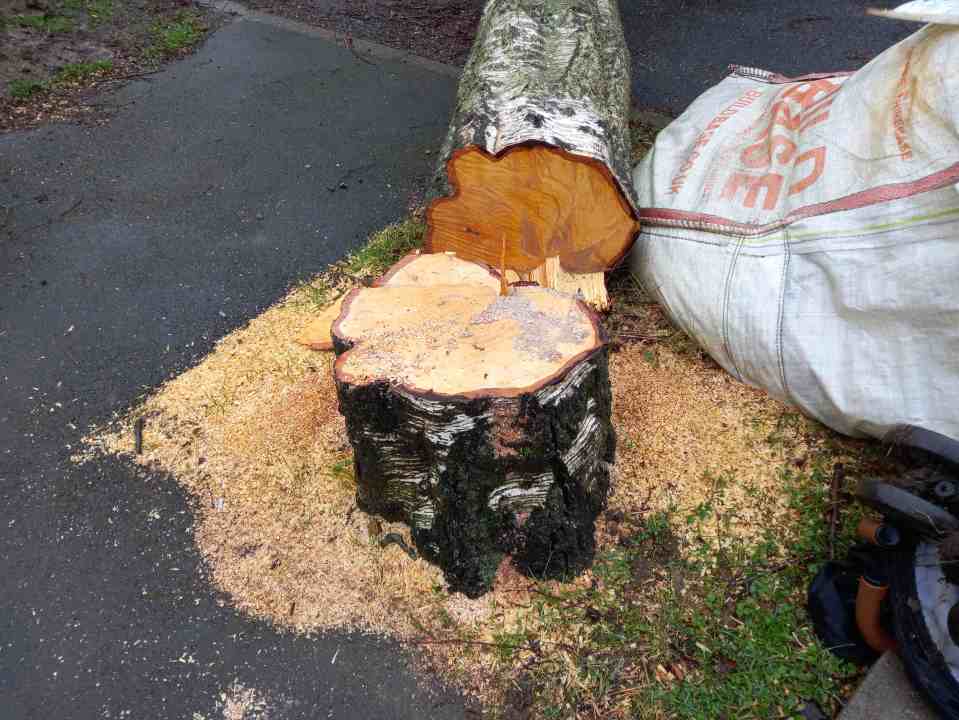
481 421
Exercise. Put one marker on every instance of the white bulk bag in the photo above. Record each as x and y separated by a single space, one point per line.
806 233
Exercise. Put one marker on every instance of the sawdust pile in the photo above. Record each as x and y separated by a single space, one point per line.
253 432
683 423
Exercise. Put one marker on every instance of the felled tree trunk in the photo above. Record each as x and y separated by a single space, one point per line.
481 420
538 150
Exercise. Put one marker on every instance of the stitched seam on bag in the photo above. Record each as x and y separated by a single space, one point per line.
726 293
787 255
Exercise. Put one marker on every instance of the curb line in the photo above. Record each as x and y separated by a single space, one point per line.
366 47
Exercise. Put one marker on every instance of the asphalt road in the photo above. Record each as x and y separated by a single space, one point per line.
681 47
125 252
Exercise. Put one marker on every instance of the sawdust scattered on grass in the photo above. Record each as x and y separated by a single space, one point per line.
254 434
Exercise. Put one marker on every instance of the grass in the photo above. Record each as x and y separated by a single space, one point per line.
183 31
80 72
98 11
386 247
23 88
686 620
381 250
45 23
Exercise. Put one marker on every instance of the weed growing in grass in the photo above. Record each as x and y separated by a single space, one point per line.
183 31
45 23
22 88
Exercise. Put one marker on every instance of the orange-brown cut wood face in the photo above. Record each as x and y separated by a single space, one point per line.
435 323
548 203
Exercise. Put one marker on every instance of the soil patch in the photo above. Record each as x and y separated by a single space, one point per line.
53 51
441 30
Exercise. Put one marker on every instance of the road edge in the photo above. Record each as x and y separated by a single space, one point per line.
364 47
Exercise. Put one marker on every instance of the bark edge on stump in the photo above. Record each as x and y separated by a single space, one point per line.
486 472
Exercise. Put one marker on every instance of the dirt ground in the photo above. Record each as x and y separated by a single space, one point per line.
52 51
438 29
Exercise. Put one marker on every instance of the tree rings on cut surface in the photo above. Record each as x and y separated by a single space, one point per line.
545 202
481 420
538 147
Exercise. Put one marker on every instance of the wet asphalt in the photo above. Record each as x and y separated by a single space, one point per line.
680 48
127 250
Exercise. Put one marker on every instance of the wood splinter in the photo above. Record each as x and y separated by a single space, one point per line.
503 283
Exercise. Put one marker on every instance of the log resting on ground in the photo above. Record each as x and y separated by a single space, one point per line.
538 149
481 420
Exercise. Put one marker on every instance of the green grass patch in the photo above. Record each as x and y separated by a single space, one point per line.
45 23
687 620
745 635
21 88
382 249
183 31
79 72
98 11
386 247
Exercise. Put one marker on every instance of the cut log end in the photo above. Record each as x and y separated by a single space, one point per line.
483 421
462 339
546 202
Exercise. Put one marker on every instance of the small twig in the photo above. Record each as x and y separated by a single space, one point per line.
450 641
641 336
838 475
745 581
131 76
71 208
138 426
485 643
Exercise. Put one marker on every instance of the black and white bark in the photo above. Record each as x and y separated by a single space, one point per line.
555 72
480 477
477 472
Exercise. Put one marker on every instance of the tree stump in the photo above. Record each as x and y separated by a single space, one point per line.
480 420
538 148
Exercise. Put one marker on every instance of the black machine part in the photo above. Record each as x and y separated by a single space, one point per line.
906 511
922 659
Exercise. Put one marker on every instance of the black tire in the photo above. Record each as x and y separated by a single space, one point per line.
925 665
